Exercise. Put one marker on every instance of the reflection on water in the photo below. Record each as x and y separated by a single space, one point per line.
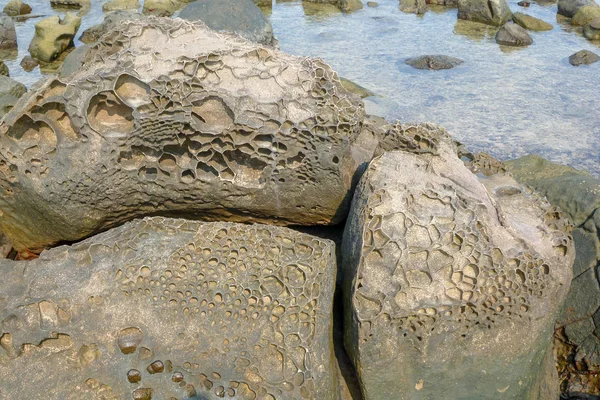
508 103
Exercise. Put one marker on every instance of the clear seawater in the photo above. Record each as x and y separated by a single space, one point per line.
505 101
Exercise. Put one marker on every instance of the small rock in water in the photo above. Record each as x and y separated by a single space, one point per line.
413 6
434 62
3 69
524 3
115 5
8 34
511 34
592 31
70 3
531 23
585 57
29 63
16 7
372 4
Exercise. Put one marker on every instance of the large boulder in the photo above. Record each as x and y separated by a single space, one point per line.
585 15
8 34
165 116
491 12
577 193
453 276
511 34
52 36
569 8
239 16
164 308
16 7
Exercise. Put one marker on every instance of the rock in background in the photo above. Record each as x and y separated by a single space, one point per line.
163 308
452 281
577 193
166 116
8 34
491 12
52 36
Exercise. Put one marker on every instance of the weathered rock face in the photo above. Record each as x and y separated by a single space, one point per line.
8 34
239 16
578 194
511 34
163 308
569 8
169 117
531 23
16 7
434 62
111 22
53 36
453 281
491 12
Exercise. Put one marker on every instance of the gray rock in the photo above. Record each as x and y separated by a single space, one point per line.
182 309
7 102
8 34
240 16
111 22
434 62
576 193
592 30
569 8
16 7
531 23
491 12
29 63
453 280
4 69
583 57
511 34
116 5
413 6
52 36
220 128
12 87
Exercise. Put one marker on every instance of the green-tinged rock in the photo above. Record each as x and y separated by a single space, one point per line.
4 69
453 279
351 5
355 88
491 12
71 3
585 15
576 193
16 7
166 308
163 7
531 23
413 6
592 30
569 8
116 5
53 36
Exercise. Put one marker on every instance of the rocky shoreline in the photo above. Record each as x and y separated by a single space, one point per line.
189 212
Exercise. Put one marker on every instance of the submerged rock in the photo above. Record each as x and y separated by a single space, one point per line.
16 7
511 34
116 5
8 34
592 30
183 309
434 62
531 23
583 57
219 128
569 8
239 16
453 280
491 12
413 6
53 36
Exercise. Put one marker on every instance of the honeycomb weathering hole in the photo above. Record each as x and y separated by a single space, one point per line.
107 113
28 132
132 91
212 114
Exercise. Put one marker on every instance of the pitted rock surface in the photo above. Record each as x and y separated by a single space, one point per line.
168 117
165 308
454 279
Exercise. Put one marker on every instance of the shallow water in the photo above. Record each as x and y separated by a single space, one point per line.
504 101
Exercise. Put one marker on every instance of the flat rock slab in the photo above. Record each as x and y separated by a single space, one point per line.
167 117
434 62
453 280
164 308
531 23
